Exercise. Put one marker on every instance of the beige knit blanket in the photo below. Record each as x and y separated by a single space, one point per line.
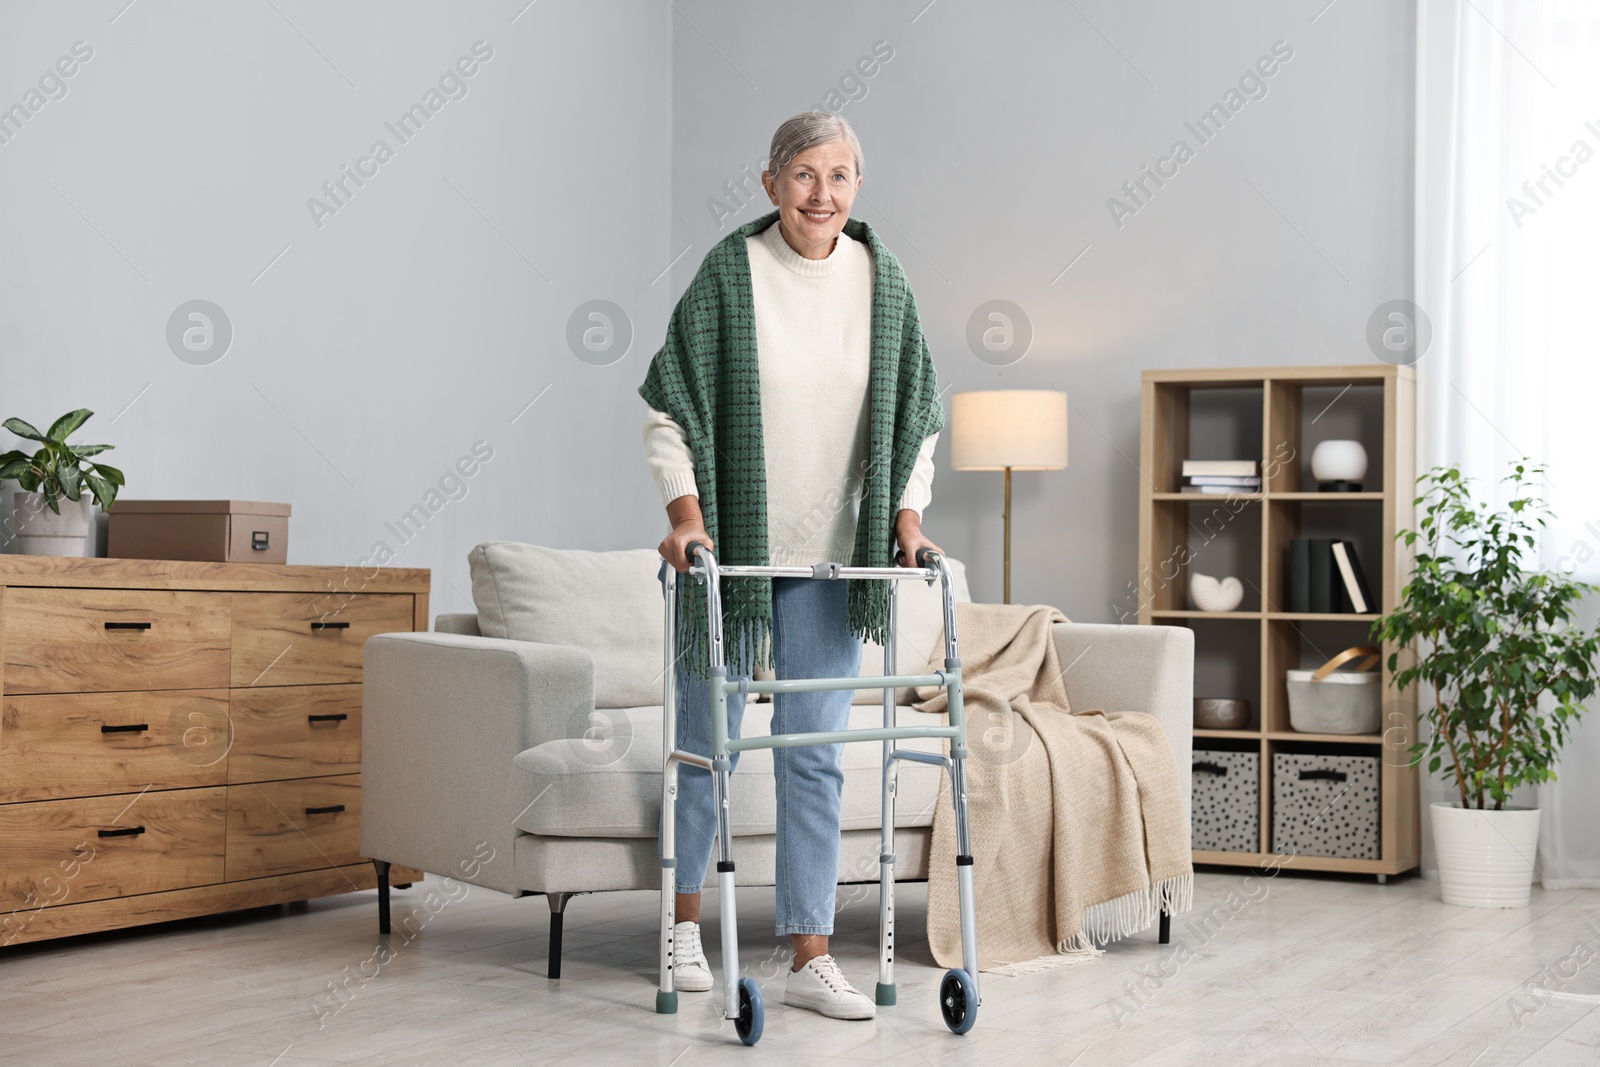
1078 831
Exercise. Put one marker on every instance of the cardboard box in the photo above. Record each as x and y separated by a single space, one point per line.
215 531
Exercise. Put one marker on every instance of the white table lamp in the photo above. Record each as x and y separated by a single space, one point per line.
1007 430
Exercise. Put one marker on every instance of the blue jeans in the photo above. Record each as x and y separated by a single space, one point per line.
810 639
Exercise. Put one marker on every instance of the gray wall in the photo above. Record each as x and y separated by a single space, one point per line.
382 346
993 139
419 319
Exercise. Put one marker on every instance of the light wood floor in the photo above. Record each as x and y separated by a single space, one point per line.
1310 971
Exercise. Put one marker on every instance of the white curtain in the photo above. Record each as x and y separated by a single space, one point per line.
1508 272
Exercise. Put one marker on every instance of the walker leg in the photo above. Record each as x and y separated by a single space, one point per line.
726 895
958 790
885 993
1164 931
666 990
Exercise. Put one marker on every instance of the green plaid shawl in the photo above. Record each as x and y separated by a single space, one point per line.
705 377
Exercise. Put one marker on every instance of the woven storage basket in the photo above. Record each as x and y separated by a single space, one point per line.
1326 701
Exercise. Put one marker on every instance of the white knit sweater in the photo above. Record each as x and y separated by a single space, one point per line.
813 353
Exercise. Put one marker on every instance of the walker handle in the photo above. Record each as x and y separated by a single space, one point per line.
688 551
923 554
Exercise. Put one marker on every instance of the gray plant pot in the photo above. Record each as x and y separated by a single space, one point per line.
41 532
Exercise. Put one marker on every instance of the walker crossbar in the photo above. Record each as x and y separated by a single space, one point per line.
880 573
810 685
920 757
742 1001
835 737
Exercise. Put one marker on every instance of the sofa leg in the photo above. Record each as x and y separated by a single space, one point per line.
1164 931
558 905
382 867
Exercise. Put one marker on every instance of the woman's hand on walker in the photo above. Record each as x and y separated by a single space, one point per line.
688 526
908 532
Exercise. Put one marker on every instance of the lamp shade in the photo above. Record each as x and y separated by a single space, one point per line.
1024 429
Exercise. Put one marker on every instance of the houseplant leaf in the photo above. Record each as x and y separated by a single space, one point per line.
62 428
23 429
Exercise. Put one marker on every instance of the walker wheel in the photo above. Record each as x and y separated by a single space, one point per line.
751 1015
958 1001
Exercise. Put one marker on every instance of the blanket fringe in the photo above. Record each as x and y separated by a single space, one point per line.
1113 920
1110 921
1066 957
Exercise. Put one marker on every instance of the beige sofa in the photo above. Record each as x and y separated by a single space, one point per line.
519 748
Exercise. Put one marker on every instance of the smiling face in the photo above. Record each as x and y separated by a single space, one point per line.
813 193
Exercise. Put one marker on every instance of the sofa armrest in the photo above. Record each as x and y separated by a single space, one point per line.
443 716
1134 668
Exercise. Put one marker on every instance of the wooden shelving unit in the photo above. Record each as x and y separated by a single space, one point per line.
1277 415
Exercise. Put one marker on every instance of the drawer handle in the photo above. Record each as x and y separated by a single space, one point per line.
125 831
128 625
132 728
331 809
330 626
1212 768
1331 776
340 717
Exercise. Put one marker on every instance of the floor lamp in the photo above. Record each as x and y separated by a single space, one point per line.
1009 430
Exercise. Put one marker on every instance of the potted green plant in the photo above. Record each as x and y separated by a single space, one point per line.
1493 643
57 471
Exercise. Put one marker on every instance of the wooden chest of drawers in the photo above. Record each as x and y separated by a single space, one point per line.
182 738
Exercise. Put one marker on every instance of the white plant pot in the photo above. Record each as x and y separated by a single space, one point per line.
1485 857
41 532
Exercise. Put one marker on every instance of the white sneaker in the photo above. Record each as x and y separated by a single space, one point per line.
690 971
820 986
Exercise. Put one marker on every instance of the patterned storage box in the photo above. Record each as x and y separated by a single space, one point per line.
1226 812
1325 805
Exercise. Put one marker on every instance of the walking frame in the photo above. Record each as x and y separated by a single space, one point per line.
958 990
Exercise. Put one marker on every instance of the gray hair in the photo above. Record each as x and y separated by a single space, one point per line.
807 130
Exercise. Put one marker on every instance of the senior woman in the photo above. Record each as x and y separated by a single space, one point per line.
792 403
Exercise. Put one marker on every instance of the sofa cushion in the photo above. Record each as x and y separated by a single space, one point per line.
608 783
608 603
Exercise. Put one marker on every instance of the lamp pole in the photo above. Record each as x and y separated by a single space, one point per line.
1008 537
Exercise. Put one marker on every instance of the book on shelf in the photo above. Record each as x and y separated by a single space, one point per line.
1220 489
1324 593
1300 574
1325 578
1226 468
1357 593
1230 480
